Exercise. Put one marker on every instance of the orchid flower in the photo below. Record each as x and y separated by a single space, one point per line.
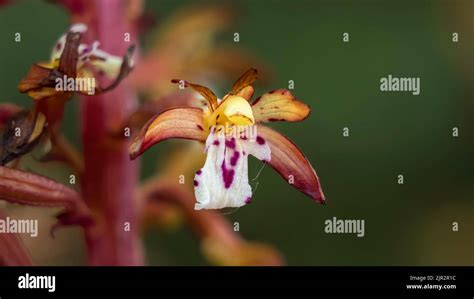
231 129
45 82
200 55
72 59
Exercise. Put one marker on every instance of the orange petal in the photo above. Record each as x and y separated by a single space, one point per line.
247 79
184 123
12 250
246 92
39 83
279 105
204 91
291 164
26 188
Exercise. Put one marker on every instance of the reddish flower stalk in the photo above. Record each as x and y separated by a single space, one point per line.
110 178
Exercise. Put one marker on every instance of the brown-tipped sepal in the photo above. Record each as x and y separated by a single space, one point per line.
291 164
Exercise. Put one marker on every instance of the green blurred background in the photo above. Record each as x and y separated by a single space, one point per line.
391 133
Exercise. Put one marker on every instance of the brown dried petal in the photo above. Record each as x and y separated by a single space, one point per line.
39 82
22 133
70 55
125 69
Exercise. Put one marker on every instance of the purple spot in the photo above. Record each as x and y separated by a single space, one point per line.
200 127
276 119
216 142
271 92
196 183
227 175
234 159
248 200
199 172
230 143
260 140
244 153
58 46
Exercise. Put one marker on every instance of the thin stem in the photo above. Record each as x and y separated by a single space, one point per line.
66 152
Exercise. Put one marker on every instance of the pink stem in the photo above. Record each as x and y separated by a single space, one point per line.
110 177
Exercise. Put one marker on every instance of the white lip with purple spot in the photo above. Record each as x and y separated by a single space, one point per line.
223 180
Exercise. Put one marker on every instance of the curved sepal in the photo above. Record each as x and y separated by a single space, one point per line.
291 164
183 123
205 92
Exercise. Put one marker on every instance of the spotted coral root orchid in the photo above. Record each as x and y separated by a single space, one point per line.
73 67
231 129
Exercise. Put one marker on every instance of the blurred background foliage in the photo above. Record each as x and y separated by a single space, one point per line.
391 133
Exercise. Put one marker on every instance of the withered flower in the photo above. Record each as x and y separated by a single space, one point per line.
22 132
231 129
72 68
